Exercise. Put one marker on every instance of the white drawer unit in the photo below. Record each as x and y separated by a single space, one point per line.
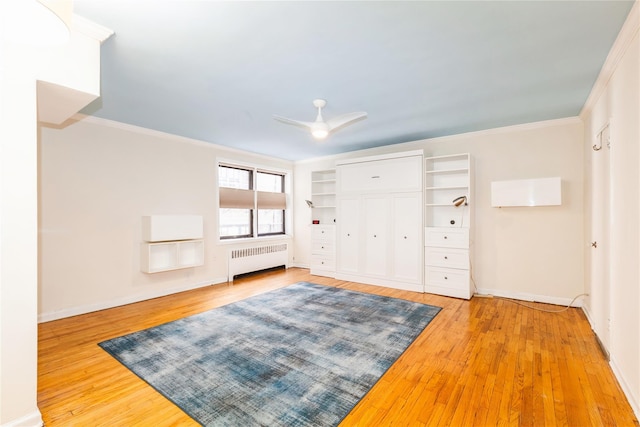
446 237
448 281
446 257
323 259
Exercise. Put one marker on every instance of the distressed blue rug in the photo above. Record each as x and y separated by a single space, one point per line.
303 355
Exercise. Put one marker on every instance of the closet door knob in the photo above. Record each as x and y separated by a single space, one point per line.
446 257
445 237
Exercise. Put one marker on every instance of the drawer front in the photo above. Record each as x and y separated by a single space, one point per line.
322 247
323 263
323 232
446 237
446 257
447 278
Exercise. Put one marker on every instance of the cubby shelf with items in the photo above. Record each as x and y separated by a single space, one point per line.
448 225
323 218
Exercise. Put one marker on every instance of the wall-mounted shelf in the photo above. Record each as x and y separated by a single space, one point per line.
171 242
165 256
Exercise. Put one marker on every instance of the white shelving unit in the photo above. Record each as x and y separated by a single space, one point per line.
448 227
171 242
323 197
165 256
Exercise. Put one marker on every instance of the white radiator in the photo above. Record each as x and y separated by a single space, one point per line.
248 260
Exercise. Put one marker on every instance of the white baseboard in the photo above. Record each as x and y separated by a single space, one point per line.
74 311
625 387
530 297
299 265
33 419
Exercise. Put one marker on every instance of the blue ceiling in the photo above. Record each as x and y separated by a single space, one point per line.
219 71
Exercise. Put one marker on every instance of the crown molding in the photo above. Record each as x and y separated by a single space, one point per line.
80 117
620 46
90 28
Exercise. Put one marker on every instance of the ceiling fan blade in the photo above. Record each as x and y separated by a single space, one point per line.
345 119
306 125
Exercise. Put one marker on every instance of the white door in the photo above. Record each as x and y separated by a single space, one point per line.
376 235
348 225
407 237
599 247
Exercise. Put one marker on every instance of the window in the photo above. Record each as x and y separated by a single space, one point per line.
270 203
252 202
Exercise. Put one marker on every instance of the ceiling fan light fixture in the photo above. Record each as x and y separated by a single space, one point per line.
321 128
319 133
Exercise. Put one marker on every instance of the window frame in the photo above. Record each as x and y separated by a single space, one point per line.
254 210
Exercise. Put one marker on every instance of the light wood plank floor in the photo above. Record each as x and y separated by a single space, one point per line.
484 362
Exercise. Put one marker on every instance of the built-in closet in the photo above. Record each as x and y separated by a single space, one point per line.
379 236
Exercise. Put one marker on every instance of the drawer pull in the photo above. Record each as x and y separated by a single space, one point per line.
446 257
405 237
375 177
446 278
445 237
375 235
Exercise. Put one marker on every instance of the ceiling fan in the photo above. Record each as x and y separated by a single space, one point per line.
321 128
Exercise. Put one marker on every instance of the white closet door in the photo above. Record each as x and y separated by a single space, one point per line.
348 234
407 238
376 235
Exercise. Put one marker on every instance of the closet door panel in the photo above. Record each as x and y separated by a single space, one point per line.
407 237
376 235
348 234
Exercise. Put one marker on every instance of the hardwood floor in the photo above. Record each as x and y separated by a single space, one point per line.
484 362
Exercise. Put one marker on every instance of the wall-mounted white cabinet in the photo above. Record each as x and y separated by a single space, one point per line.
379 226
165 256
162 228
448 225
527 192
171 242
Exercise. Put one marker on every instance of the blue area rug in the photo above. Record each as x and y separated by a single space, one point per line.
303 355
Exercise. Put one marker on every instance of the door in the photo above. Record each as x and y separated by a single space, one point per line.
599 245
376 235
348 234
407 237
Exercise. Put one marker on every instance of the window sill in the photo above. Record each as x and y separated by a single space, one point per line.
261 239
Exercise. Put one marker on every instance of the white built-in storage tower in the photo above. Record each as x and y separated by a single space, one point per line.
448 225
323 228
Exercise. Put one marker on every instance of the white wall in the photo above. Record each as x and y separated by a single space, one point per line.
528 252
617 98
97 180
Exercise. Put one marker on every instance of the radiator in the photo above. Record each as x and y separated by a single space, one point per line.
248 260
